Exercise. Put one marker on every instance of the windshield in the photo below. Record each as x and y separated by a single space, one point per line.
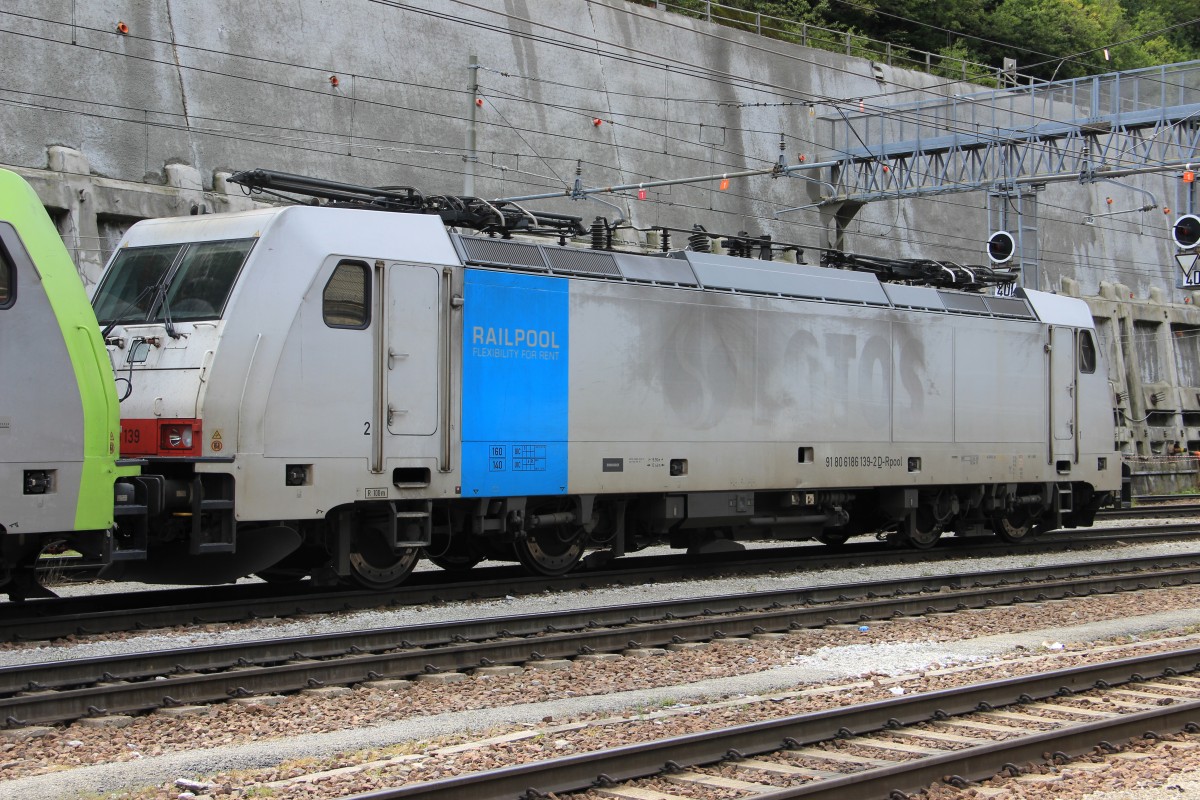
170 283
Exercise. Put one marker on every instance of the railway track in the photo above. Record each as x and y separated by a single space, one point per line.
1159 509
1151 499
52 692
880 750
52 618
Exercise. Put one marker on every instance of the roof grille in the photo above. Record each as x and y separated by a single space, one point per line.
502 252
1008 307
581 262
970 303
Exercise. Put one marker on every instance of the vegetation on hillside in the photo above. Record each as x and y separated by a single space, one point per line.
1048 38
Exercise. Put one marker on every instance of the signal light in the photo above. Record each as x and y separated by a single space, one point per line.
1189 176
641 194
1186 231
479 102
122 28
597 122
333 81
724 184
1000 246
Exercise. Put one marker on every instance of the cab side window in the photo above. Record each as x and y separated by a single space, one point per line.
1087 353
346 301
8 278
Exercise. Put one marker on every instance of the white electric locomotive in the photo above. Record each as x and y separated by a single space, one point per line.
334 391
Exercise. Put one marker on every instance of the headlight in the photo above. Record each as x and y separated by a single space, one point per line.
175 437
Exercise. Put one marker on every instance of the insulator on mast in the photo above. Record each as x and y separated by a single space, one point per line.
599 229
738 246
765 251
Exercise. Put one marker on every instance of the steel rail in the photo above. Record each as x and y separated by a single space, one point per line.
1158 510
134 683
37 620
1151 499
583 771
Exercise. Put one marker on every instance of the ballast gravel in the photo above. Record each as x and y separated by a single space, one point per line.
294 737
204 635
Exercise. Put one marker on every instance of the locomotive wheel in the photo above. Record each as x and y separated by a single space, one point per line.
373 565
1013 526
923 539
551 551
923 530
927 521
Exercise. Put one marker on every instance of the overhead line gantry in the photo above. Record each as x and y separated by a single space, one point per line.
1012 141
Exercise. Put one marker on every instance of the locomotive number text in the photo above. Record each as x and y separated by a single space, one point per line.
131 435
867 461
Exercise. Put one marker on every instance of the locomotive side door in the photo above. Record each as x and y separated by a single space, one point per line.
1063 391
410 350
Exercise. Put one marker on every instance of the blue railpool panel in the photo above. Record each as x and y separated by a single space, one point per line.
515 371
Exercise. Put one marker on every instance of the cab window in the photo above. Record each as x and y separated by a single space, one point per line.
176 283
346 301
1087 353
127 290
203 280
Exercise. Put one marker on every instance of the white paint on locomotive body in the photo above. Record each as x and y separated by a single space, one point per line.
736 384
280 384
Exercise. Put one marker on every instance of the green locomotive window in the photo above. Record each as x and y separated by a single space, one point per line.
346 301
8 278
170 283
1087 353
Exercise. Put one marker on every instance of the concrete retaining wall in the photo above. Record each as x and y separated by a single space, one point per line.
114 127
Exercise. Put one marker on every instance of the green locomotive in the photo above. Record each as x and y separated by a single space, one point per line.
59 419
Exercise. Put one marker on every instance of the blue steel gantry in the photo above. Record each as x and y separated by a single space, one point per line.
1010 142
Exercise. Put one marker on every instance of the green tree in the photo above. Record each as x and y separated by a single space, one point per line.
1048 38
1153 44
1063 36
1153 15
928 25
